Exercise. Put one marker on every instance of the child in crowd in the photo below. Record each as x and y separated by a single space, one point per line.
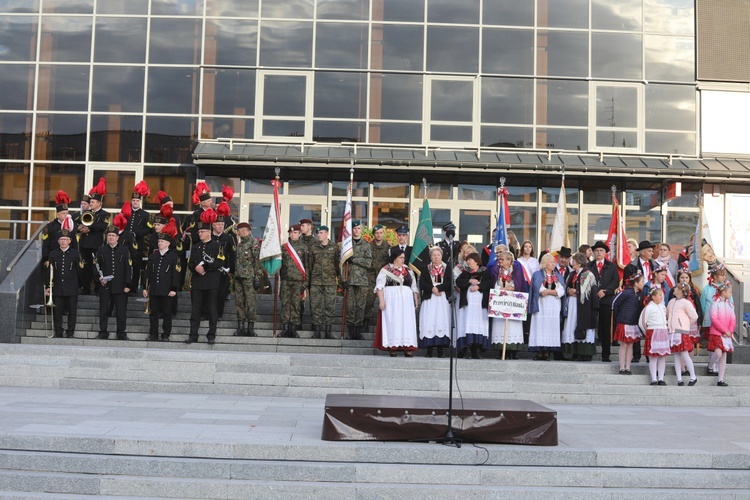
681 315
653 321
716 276
626 307
723 321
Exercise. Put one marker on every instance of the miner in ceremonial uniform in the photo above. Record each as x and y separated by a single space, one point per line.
379 248
65 262
53 229
162 282
294 266
92 235
115 273
204 265
247 273
354 278
202 198
227 252
140 225
402 234
166 210
324 273
445 244
84 207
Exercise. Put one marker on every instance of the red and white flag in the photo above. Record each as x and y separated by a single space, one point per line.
616 239
347 249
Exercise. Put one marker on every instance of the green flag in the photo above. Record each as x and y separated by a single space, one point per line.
420 253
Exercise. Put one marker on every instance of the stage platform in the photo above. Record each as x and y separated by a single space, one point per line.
351 417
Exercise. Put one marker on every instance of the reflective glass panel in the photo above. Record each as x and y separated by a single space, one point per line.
452 100
562 138
600 193
390 189
175 41
507 100
14 191
680 227
235 128
325 131
562 102
562 53
230 42
120 40
352 10
623 15
60 137
390 214
359 188
616 106
398 10
669 16
69 6
398 47
476 192
451 133
232 8
310 188
168 138
644 223
689 197
15 136
521 190
452 49
396 97
340 95
617 55
285 43
507 137
450 11
395 133
19 6
434 192
563 13
551 191
136 7
18 38
48 179
63 88
670 58
671 143
616 139
291 9
118 89
172 90
474 227
359 211
670 107
67 39
229 91
177 7
283 128
284 95
177 181
16 86
523 221
508 51
340 45
508 12
261 187
116 138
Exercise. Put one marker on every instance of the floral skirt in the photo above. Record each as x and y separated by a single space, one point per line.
685 343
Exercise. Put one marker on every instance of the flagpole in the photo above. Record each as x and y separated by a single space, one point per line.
346 277
276 278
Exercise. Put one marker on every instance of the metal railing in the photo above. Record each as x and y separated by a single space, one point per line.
738 295
12 264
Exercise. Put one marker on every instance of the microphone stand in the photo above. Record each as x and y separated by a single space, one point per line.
449 438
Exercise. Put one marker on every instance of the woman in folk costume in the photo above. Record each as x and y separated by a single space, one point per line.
579 332
680 316
529 265
398 297
547 290
474 285
717 275
626 308
509 278
653 321
435 285
464 249
723 322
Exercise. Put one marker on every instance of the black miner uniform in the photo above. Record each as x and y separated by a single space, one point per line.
65 269
162 277
89 244
204 289
51 233
139 225
114 262
227 261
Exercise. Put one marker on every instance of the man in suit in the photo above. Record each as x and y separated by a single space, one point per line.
65 262
115 274
402 235
646 265
563 267
608 280
448 241
204 265
53 229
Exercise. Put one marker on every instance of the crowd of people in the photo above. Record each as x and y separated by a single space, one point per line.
575 300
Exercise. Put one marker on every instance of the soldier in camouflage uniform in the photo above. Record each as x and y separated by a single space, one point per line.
246 280
294 267
356 283
324 273
309 239
379 248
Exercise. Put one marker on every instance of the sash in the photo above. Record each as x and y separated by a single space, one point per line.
295 258
526 271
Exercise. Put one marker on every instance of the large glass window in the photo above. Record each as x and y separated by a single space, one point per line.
671 142
507 137
16 87
177 7
516 56
21 6
176 181
15 136
60 137
48 179
396 97
563 13
229 91
175 41
352 10
508 12
390 214
18 38
562 102
172 90
670 58
230 42
395 133
617 114
168 139
63 88
562 138
332 131
232 8
670 107
69 6
120 40
562 53
340 95
669 16
450 11
283 100
285 43
397 47
132 7
118 89
292 9
116 138
642 218
617 56
67 39
450 110
14 187
507 100
623 15
236 128
398 10
452 49
340 45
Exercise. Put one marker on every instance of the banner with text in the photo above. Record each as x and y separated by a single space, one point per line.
508 304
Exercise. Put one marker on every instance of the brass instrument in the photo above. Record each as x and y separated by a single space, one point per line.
51 277
148 299
49 303
87 218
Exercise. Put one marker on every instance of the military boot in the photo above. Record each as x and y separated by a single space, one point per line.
293 331
240 330
285 331
329 335
316 334
250 331
358 332
366 325
350 333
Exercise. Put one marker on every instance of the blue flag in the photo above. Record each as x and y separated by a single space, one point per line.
501 231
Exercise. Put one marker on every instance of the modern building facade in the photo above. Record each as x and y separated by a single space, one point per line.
462 93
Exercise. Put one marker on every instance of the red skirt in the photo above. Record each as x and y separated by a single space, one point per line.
685 346
647 346
717 342
620 335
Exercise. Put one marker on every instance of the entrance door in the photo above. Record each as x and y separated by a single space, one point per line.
472 225
595 221
120 180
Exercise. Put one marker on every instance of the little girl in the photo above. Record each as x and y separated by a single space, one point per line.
625 309
681 315
653 321
723 322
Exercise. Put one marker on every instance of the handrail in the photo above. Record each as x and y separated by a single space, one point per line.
23 250
738 295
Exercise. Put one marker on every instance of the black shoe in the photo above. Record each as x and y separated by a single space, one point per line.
350 333
661 382
103 336
250 331
69 335
190 341
635 360
316 334
293 331
721 383
153 338
685 372
628 372
429 352
124 337
329 334
440 353
474 351
623 372
285 331
692 382
680 383
711 373
60 335
211 341
165 338
654 382
606 360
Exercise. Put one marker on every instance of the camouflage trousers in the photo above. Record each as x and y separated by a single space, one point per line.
244 299
322 304
356 301
371 296
291 301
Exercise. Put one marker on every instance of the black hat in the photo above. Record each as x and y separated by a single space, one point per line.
305 221
395 253
86 198
449 227
564 252
113 230
356 222
63 233
645 244
402 230
600 244
158 219
165 237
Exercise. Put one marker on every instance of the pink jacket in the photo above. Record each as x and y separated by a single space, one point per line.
680 315
723 318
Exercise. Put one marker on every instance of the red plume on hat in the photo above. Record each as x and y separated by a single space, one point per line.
126 211
170 229
100 188
223 209
62 198
120 222
166 211
208 216
160 196
142 189
200 189
227 193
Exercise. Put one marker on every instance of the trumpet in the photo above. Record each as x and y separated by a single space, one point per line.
51 277
87 218
49 303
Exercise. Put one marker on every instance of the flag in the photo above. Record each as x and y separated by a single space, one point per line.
270 247
501 229
423 240
345 230
559 236
616 239
701 242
